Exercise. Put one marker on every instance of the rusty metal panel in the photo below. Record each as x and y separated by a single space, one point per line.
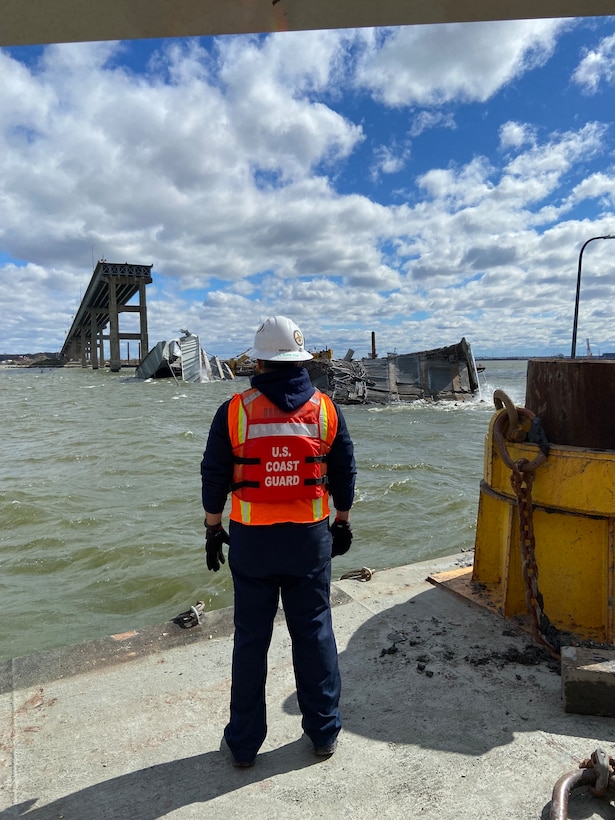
574 399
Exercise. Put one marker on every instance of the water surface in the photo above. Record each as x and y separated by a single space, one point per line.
100 513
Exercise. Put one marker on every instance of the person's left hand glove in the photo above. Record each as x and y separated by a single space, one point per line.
215 536
342 537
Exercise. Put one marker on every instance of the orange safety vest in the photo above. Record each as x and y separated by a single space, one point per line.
280 468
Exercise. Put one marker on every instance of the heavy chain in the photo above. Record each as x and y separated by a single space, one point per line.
508 427
542 628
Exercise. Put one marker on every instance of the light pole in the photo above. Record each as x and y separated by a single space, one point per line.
576 304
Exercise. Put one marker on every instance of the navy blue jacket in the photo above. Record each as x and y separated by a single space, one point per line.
288 389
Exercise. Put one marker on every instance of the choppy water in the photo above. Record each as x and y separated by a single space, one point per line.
100 515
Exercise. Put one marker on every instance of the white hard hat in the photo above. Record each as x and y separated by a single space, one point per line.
279 339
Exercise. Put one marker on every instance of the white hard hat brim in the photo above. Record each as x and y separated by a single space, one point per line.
283 356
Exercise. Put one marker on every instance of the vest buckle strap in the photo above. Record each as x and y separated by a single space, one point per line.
240 484
315 481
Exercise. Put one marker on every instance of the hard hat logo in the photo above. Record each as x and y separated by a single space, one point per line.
279 339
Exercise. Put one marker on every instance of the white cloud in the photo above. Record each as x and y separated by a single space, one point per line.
516 134
425 120
531 176
599 186
458 188
389 159
435 65
597 66
269 88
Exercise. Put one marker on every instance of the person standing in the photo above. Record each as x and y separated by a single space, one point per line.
282 449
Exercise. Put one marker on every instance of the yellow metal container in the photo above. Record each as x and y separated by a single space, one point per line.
573 496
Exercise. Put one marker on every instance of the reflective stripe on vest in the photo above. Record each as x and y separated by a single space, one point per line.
286 429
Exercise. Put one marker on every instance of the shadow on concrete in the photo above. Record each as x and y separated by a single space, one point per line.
157 791
441 673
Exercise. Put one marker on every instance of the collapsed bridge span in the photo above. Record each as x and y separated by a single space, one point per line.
111 287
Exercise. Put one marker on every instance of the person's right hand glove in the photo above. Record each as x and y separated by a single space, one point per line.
215 536
342 537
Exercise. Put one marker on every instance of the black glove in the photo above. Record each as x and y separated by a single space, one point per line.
215 536
342 537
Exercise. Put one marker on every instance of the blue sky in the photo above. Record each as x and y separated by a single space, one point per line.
424 183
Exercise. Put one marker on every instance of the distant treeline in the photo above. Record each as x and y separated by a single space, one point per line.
504 358
526 358
32 357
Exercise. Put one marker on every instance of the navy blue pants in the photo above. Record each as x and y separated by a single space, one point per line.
292 561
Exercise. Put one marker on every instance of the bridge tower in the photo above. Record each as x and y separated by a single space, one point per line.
111 287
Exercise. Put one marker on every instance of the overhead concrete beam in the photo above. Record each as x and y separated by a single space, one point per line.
31 22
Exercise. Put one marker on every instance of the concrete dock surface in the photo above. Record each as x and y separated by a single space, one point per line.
447 714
